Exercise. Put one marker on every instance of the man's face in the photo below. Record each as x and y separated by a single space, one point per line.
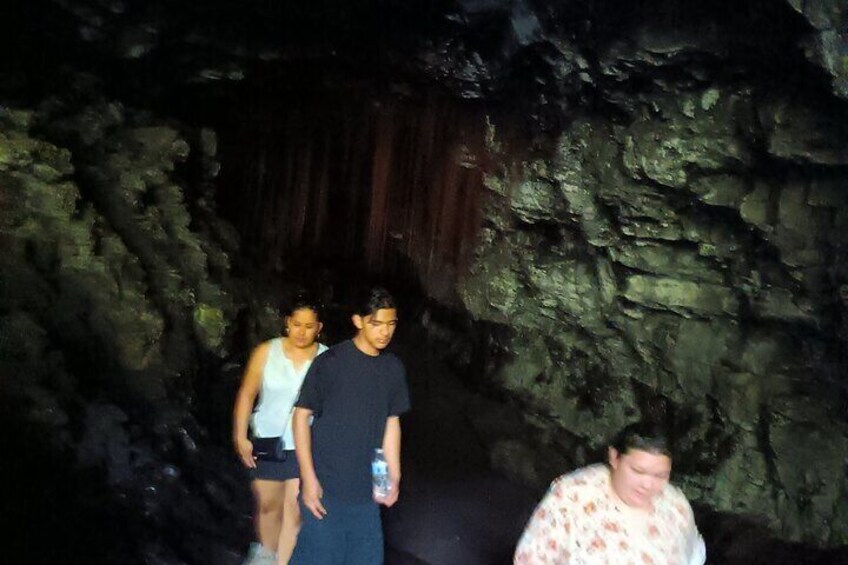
376 330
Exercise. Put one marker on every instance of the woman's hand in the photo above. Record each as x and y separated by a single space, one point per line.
244 448
312 493
245 398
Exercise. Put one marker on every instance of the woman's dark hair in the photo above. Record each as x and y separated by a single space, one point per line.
645 436
302 301
373 299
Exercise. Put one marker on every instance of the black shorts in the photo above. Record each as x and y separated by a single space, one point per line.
277 470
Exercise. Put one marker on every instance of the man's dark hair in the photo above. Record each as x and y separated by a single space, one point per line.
645 436
373 299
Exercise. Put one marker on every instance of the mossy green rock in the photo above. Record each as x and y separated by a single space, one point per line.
650 267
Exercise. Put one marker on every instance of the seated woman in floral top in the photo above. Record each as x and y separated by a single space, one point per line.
624 513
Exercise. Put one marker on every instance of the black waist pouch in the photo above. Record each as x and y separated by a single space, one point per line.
269 449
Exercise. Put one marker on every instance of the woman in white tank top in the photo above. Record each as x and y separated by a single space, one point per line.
274 374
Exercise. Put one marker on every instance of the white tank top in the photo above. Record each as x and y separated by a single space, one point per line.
280 387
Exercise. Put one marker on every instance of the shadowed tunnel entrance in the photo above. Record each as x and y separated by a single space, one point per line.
342 180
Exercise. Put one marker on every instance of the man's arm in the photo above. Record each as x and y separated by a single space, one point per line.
391 449
310 487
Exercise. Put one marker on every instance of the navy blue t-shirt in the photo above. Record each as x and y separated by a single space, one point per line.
351 395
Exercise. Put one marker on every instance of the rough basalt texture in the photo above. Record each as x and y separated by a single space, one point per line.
687 262
111 296
667 239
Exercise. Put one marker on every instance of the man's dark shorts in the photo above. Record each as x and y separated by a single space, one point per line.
350 534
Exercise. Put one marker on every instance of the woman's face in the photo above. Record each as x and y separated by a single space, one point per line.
303 327
638 476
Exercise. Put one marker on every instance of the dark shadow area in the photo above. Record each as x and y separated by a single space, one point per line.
52 513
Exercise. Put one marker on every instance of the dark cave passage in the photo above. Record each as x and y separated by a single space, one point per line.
347 181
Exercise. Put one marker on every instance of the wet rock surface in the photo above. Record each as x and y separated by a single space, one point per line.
659 268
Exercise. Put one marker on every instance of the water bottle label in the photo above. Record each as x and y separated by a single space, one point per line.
379 467
380 475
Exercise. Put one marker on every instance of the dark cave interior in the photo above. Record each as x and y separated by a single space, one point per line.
591 211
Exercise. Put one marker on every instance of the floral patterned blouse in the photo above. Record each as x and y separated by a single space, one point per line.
581 521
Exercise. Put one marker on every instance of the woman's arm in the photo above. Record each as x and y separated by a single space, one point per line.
545 538
698 552
696 549
391 450
245 399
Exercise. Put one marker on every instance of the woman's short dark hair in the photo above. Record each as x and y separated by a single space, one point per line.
645 436
302 300
372 299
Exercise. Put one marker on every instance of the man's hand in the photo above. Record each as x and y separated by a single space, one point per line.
312 493
391 497
244 448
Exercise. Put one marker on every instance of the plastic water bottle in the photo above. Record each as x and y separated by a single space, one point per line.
380 474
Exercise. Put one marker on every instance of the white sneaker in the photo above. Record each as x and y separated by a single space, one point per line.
258 554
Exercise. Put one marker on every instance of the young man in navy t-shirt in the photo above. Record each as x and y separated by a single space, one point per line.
355 394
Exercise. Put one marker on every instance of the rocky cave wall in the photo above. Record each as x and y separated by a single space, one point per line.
116 301
663 235
648 270
676 250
